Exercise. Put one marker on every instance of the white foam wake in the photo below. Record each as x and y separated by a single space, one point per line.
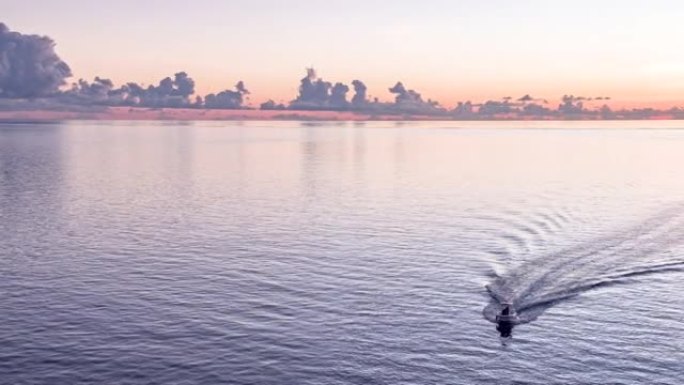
649 247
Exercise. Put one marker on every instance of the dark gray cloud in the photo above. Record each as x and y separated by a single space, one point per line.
528 99
571 105
534 109
494 107
607 113
240 87
29 66
227 99
314 93
360 99
83 92
409 101
318 94
176 92
271 105
525 98
525 105
404 95
170 92
338 97
463 110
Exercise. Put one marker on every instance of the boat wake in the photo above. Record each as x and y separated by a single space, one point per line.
650 247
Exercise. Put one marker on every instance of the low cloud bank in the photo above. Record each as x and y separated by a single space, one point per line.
30 69
317 94
228 99
170 92
176 92
32 74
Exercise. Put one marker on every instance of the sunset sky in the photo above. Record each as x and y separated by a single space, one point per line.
447 50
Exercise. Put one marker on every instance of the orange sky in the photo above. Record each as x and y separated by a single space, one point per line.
446 50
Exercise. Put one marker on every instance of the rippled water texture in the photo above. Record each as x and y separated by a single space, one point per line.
378 253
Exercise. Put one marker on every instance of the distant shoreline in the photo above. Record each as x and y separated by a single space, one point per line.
187 114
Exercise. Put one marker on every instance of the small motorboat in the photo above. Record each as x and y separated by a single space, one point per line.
507 314
506 320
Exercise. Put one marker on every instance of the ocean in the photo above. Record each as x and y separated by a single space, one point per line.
341 253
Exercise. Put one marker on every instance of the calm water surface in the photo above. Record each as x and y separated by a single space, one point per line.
289 253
